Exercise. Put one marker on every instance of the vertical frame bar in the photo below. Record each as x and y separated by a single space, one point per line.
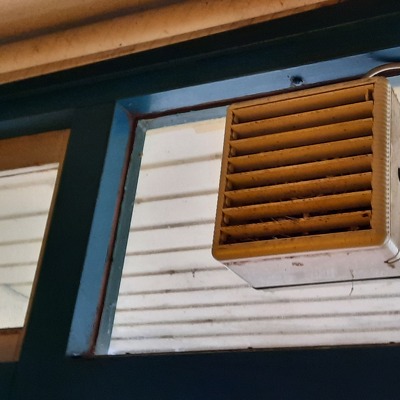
93 145
100 248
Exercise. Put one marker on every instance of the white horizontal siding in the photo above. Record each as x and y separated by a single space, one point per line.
259 309
19 253
205 143
175 297
165 239
12 306
342 296
199 178
20 198
168 262
22 228
260 326
25 197
196 208
25 177
17 274
212 343
189 281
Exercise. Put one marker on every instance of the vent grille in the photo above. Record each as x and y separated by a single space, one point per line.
296 167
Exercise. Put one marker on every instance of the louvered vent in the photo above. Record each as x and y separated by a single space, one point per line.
306 173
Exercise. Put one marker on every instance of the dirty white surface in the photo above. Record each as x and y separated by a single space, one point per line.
175 297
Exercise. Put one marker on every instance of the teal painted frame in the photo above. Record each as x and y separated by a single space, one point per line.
355 36
98 260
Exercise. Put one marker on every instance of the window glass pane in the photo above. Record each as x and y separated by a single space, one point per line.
29 168
175 297
24 205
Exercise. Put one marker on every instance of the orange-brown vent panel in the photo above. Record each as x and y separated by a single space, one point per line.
297 166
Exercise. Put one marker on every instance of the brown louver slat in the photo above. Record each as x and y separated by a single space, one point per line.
302 103
314 135
303 154
299 172
284 227
322 204
315 187
348 112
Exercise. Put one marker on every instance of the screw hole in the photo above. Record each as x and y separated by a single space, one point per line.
296 80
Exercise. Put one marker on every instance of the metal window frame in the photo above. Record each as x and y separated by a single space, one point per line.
93 101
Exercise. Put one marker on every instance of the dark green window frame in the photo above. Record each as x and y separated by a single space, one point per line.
100 103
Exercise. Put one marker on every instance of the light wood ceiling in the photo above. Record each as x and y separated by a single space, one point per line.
28 18
43 36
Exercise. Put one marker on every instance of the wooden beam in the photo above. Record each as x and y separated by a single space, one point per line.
114 36
27 151
22 19
9 344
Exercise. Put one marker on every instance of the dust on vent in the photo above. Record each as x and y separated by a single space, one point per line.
175 296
